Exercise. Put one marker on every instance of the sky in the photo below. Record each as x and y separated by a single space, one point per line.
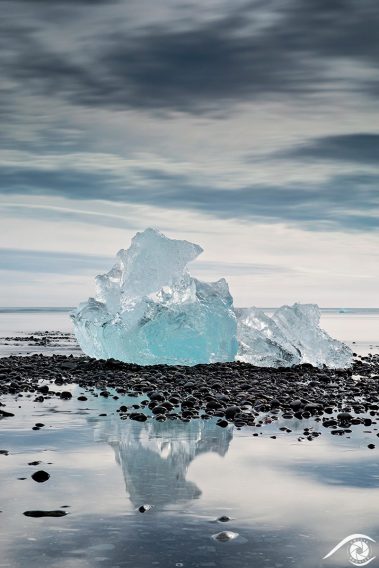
248 127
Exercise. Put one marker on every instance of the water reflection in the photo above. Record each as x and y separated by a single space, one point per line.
155 456
290 501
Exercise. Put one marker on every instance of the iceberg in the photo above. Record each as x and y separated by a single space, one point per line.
292 335
149 310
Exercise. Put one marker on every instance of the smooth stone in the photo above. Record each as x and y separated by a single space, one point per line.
138 416
38 514
144 508
231 411
225 536
65 395
223 519
40 476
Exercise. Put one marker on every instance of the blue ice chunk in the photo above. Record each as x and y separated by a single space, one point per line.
149 310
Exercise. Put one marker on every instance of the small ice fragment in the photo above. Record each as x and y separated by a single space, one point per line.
292 335
261 342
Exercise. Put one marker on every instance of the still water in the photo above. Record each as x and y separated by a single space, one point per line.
359 328
289 500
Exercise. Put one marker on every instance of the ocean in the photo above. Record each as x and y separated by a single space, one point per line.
358 327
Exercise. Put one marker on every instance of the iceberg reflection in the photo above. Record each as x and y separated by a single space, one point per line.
155 456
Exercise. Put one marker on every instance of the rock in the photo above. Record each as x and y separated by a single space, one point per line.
65 395
311 407
138 416
40 476
38 514
344 417
213 405
223 519
157 397
231 411
225 536
144 508
160 409
5 414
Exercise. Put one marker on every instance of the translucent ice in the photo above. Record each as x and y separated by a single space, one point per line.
292 335
261 342
149 310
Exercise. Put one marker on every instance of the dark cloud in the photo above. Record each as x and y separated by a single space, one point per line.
361 148
67 183
203 66
57 4
344 202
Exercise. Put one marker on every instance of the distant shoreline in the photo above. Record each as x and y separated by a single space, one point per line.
63 309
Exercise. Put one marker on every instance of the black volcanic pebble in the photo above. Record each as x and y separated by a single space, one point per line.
223 519
5 414
39 514
213 405
159 409
138 416
144 508
231 411
160 418
344 417
40 476
156 396
235 392
296 405
65 395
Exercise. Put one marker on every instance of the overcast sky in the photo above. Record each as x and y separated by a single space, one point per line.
250 128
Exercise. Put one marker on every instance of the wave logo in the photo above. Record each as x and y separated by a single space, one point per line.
359 549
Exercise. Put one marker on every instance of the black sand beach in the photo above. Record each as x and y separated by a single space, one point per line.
236 393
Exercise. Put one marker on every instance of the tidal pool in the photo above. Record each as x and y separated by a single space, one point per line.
289 500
